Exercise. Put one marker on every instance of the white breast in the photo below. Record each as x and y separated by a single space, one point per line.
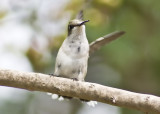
73 56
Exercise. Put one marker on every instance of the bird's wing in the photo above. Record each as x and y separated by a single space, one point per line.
97 44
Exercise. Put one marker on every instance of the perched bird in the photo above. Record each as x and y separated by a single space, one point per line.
72 58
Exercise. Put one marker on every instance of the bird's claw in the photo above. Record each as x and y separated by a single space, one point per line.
53 75
74 79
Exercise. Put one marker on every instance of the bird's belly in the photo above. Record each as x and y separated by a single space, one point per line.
71 67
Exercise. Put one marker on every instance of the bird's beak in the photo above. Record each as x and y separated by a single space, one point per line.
83 22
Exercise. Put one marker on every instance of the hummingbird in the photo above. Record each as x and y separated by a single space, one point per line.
72 57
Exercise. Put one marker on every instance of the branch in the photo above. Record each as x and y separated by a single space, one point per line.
83 90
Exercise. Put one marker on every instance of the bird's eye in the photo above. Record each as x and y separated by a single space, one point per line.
70 27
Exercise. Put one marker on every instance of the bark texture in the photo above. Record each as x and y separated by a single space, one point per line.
83 90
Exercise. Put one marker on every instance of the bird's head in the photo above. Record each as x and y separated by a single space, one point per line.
77 25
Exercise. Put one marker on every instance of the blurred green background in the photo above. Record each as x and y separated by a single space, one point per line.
132 62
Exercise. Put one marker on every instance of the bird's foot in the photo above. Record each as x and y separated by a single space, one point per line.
74 79
53 75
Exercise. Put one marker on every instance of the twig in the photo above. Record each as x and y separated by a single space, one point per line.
82 90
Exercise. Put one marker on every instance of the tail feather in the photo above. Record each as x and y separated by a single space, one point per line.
80 15
61 98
